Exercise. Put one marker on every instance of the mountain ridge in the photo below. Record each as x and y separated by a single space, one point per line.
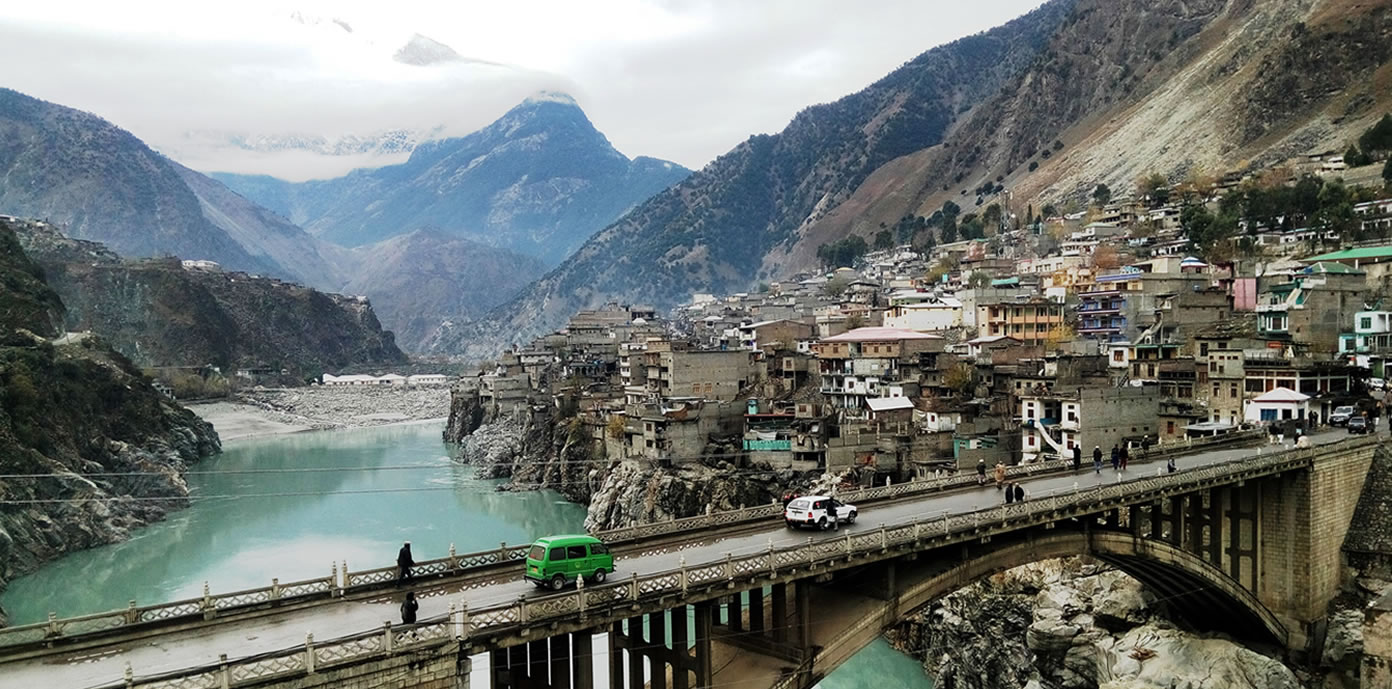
539 180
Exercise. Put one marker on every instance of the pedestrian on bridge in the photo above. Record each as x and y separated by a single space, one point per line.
1000 475
981 471
1097 458
404 563
1125 454
409 608
1170 466
1019 492
1009 493
1077 456
1116 457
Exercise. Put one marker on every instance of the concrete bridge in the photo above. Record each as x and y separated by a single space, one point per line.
1244 540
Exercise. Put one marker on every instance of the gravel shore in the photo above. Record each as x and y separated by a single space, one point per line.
257 413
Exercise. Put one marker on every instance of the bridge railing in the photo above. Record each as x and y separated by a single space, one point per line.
618 597
344 582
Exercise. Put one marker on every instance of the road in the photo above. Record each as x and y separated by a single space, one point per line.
160 654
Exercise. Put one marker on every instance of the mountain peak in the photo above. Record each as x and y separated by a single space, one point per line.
424 50
549 97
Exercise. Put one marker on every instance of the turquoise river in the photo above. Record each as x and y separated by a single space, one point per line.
290 506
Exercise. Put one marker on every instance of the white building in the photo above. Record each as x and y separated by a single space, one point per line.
926 316
428 379
1281 404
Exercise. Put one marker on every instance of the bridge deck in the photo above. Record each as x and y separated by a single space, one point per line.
165 653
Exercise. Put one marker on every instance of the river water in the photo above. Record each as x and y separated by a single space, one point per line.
291 506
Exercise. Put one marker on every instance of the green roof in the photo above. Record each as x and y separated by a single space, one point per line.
1355 254
1332 268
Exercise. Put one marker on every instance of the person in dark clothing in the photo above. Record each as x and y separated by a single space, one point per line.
404 563
1170 466
1019 493
1097 458
408 608
981 472
1125 455
1077 457
1009 493
1116 458
1145 445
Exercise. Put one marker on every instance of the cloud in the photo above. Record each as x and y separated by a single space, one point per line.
679 79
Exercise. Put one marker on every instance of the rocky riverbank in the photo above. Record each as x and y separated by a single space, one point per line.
1072 624
268 412
533 450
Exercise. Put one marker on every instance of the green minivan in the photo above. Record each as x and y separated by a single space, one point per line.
558 560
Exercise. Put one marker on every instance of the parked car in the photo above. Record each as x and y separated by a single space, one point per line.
555 561
1341 415
821 511
1377 384
1360 424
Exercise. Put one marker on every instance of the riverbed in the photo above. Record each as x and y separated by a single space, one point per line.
292 506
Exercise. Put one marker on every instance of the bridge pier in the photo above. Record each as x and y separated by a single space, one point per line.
564 661
681 663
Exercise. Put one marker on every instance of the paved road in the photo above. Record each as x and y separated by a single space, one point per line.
98 667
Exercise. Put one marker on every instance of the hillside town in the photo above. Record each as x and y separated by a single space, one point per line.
1104 328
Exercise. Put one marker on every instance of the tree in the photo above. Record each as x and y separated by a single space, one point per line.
1048 211
959 378
1154 187
992 216
949 231
1356 158
855 320
979 279
836 286
884 240
1101 195
1058 335
1387 171
1378 138
1104 257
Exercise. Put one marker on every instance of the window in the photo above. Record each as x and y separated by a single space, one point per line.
558 553
1203 349
575 552
1365 323
598 549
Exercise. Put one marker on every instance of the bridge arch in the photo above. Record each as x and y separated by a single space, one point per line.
1195 590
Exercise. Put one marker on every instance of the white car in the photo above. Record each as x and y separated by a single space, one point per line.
821 511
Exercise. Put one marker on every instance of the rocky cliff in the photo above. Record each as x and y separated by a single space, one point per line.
158 313
535 449
106 450
1070 625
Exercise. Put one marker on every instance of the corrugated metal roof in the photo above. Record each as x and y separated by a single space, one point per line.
1354 254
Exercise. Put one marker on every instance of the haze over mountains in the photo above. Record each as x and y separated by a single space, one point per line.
540 180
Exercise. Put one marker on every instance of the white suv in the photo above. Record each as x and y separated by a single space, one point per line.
821 511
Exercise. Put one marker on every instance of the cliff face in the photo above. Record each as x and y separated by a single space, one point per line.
534 449
1070 625
158 313
73 415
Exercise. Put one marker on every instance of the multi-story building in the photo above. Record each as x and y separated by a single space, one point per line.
1053 421
873 362
1314 307
1133 305
1029 320
674 370
784 332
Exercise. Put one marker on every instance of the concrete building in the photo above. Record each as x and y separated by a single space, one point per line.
1053 421
932 315
872 362
1029 320
787 333
1280 404
673 370
1314 308
1133 305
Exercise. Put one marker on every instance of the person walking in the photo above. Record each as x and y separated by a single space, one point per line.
981 472
1009 493
1019 492
409 608
1145 446
1000 475
1077 456
1125 454
404 563
1097 458
1116 457
1170 466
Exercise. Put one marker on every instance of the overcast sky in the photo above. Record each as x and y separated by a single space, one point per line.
684 80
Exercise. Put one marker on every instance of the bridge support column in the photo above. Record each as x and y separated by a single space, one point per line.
630 645
559 662
780 613
756 610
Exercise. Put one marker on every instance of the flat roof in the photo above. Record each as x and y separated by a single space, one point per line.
888 403
880 335
1351 254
